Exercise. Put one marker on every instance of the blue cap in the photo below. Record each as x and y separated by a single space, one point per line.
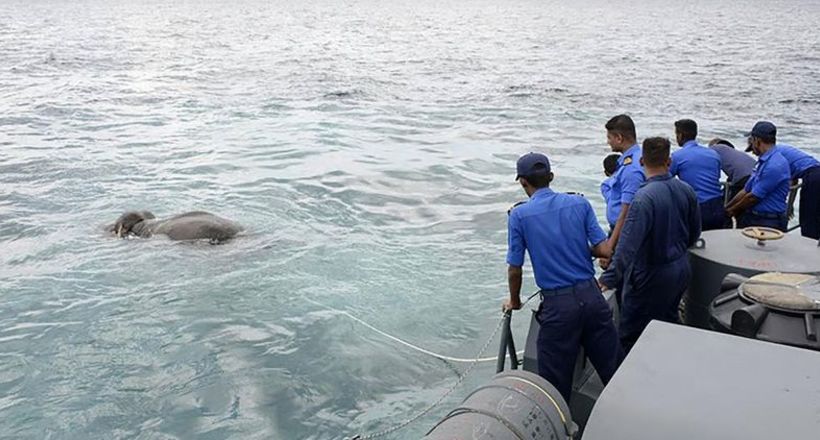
526 166
764 130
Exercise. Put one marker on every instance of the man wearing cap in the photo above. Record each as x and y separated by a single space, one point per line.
700 168
561 235
763 201
804 166
651 259
737 165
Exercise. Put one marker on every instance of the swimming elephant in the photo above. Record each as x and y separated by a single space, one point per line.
194 225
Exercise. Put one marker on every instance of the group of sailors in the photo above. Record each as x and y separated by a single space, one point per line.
658 202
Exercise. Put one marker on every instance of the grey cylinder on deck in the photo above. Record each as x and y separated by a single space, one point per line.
514 405
727 251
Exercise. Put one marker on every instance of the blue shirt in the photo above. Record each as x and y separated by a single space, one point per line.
662 223
770 183
798 161
700 168
736 164
613 207
557 231
628 178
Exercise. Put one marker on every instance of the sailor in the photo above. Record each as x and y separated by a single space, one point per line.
763 200
561 235
737 165
700 168
651 258
621 137
612 206
804 166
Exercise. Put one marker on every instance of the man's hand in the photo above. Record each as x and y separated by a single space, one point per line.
602 286
510 305
604 263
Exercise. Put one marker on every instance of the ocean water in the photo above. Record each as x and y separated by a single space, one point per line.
368 148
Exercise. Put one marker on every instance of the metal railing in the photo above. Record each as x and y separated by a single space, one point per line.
507 345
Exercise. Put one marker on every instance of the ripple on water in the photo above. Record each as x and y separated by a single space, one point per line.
367 150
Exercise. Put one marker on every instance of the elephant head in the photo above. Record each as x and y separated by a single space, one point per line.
125 224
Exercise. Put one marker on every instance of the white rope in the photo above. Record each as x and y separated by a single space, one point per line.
408 344
473 362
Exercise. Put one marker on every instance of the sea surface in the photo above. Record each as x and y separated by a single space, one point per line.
367 146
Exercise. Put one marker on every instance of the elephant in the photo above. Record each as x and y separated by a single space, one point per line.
194 225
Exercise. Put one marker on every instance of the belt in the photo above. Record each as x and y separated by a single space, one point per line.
567 290
769 215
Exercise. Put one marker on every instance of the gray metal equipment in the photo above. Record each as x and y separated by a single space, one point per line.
779 308
515 405
726 251
682 383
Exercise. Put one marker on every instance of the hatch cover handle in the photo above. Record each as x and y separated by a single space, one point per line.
762 234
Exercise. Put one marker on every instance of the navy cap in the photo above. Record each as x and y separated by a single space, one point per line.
762 129
526 166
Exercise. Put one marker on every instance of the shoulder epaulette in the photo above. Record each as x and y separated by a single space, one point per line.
514 206
572 193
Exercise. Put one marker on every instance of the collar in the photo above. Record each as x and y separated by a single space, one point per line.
660 178
767 154
692 143
542 192
632 150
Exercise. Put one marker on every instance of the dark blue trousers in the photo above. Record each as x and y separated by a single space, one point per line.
571 318
652 293
713 214
810 204
769 220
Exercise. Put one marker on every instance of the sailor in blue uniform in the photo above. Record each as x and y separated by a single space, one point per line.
700 168
651 258
561 235
613 207
763 201
622 138
805 167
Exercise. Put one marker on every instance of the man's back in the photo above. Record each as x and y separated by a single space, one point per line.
557 230
665 221
735 164
799 161
612 206
700 168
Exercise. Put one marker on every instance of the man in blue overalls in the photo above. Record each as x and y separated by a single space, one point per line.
763 201
805 167
651 258
700 168
561 235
